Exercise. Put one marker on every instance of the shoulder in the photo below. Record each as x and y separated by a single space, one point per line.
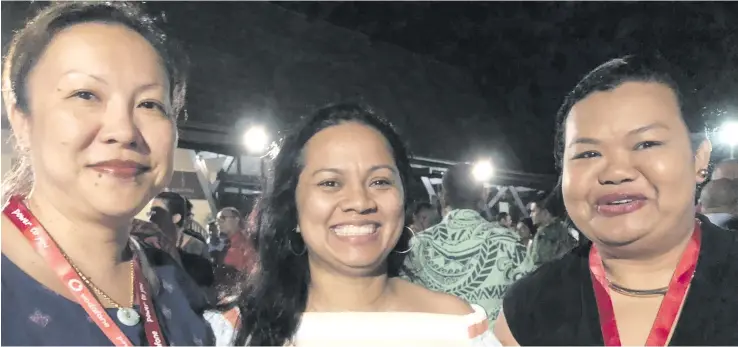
421 299
551 283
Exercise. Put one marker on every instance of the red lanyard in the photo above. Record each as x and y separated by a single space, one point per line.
670 304
45 246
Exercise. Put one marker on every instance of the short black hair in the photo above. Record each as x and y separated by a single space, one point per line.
614 73
460 189
176 204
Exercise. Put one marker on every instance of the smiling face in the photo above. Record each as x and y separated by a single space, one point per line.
349 199
97 129
629 171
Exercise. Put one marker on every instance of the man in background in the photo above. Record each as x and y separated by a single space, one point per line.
719 202
504 219
553 238
465 255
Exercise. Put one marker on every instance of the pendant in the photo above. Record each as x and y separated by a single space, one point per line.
128 316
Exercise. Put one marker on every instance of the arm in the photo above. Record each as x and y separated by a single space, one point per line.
502 331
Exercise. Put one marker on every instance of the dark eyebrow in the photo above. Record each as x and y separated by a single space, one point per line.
371 169
636 131
646 128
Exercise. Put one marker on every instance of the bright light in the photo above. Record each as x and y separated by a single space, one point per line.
728 133
483 171
256 140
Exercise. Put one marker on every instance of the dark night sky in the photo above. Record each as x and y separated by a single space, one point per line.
524 57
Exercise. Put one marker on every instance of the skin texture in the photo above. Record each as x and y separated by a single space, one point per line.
356 181
631 140
644 149
98 93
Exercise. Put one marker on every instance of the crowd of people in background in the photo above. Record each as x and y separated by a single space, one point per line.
618 254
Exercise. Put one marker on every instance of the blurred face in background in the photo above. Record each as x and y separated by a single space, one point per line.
539 215
228 222
425 218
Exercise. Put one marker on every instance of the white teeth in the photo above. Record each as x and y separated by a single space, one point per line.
620 202
355 230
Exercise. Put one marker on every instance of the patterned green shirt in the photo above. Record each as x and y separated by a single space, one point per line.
469 257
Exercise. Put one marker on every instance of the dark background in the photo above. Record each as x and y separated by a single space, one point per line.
520 60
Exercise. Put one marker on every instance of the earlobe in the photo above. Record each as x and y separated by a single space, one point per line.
702 160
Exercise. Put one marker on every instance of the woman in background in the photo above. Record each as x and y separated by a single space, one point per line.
654 274
332 239
92 92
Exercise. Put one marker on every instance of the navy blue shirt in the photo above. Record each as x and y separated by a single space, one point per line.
32 314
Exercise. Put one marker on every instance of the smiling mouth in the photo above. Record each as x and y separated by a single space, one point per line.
355 230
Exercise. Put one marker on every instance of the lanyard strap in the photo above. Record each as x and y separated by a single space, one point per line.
670 304
45 246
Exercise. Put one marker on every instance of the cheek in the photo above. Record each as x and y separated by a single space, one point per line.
58 143
391 206
160 136
576 183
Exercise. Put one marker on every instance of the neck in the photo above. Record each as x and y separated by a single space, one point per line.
330 292
93 246
649 271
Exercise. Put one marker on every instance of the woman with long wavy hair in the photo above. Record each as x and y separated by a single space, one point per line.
332 240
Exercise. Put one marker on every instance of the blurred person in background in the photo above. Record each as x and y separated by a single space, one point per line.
332 240
465 255
553 238
218 243
525 230
240 254
655 273
194 252
719 202
180 212
92 92
504 219
727 168
423 215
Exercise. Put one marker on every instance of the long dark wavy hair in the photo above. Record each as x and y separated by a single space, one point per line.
275 296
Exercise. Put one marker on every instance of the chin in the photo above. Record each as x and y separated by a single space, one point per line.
119 205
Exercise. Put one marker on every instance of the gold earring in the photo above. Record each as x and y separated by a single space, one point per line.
702 173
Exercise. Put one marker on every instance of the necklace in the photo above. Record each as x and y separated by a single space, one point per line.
126 315
637 292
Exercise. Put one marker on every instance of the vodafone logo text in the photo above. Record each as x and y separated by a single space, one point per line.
75 285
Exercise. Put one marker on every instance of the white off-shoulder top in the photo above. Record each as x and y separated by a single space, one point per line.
377 329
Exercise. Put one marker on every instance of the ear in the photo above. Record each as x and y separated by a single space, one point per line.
20 122
176 218
702 160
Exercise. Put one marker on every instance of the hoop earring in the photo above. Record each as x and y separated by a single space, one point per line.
292 249
410 242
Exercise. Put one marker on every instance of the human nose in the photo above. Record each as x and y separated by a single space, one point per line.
119 126
618 170
358 199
